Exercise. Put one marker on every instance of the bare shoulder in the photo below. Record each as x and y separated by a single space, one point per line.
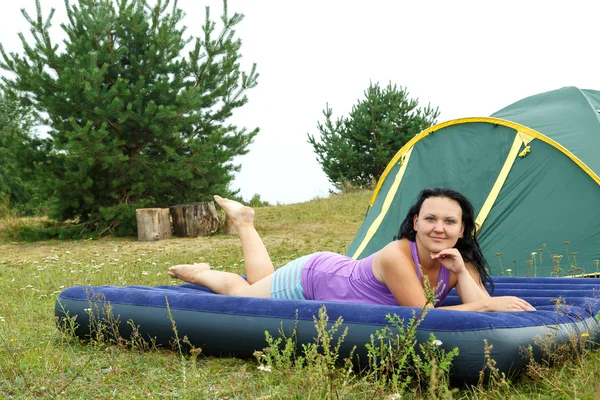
394 256
394 267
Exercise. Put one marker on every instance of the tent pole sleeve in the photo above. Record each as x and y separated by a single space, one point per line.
389 198
493 195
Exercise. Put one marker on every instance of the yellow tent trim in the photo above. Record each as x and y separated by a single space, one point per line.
523 130
526 139
386 204
493 195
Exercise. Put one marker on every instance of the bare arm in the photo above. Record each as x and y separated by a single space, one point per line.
471 291
469 287
498 304
397 272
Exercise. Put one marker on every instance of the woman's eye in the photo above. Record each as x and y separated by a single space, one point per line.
450 221
429 219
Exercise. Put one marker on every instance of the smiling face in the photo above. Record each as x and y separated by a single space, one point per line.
439 223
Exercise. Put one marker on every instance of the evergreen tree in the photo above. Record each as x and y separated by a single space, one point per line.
133 120
355 150
20 150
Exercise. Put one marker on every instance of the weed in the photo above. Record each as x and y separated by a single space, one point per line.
495 380
395 362
534 266
499 256
396 365
434 370
15 363
318 368
176 342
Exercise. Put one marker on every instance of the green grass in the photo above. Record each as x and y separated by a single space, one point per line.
38 361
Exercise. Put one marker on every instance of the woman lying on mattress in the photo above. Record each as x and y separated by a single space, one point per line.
436 240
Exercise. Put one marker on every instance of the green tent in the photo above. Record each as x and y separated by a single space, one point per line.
532 172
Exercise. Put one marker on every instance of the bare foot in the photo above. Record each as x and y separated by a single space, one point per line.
239 213
187 272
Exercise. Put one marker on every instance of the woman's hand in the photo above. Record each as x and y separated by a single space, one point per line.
451 259
506 303
493 304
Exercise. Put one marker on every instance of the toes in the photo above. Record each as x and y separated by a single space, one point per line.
219 199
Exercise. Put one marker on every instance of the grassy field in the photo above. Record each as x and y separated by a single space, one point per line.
38 361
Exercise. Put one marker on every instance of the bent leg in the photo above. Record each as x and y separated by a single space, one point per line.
256 258
260 289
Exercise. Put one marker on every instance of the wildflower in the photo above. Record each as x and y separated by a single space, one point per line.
144 272
12 340
534 253
264 368
584 335
2 319
437 343
509 270
106 369
195 351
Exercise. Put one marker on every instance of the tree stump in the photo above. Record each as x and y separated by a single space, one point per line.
153 223
194 219
228 227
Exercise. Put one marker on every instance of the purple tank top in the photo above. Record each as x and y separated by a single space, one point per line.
441 287
335 277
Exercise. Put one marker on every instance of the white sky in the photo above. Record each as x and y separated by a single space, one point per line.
469 58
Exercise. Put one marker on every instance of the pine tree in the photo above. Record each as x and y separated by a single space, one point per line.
355 150
135 116
20 151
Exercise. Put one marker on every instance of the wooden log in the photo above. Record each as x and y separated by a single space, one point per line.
228 227
194 219
153 223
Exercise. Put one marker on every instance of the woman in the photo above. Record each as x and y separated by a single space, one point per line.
436 240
